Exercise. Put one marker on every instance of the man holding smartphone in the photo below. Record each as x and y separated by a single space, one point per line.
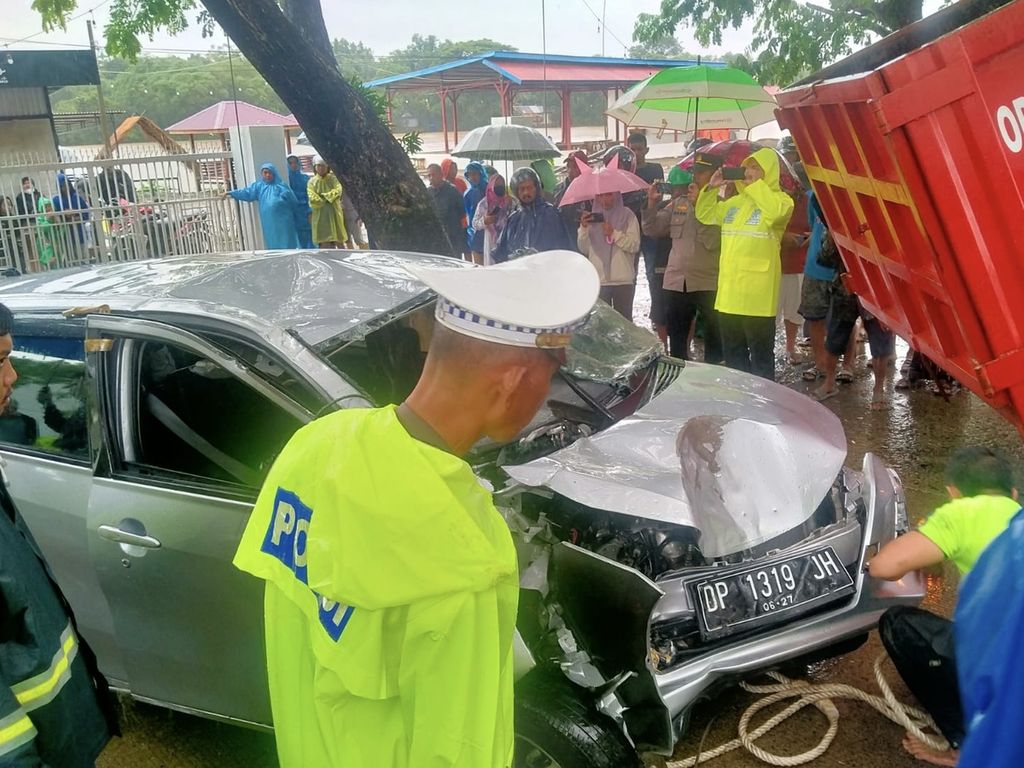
753 223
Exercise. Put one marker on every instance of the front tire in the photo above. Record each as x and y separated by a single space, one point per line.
558 727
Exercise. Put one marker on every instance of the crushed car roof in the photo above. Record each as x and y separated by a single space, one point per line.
317 294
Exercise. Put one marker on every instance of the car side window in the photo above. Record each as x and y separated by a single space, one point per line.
194 418
48 405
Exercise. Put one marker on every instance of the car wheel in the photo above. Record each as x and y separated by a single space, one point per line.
557 727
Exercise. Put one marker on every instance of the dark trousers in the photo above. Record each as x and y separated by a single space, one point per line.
920 644
748 343
681 309
620 297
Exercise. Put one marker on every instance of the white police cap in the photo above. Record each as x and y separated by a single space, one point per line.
533 301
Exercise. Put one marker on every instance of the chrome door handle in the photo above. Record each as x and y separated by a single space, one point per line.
113 533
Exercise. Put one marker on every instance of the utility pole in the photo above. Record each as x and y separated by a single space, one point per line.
104 120
604 14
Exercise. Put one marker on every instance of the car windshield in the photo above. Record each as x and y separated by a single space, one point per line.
601 365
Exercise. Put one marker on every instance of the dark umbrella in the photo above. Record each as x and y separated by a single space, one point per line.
734 151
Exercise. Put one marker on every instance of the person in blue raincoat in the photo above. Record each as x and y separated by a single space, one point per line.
477 178
989 623
299 181
279 209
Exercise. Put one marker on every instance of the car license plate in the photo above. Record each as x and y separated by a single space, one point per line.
743 600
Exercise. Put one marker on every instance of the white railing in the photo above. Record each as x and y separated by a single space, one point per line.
141 206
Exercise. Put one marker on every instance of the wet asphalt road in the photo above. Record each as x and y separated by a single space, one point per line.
915 436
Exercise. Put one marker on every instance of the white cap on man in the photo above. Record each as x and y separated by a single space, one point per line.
533 301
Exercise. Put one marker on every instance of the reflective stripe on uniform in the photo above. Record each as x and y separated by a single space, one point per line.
39 690
747 233
15 730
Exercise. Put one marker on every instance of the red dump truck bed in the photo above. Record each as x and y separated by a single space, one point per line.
919 167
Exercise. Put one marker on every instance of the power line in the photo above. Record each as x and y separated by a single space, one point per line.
76 17
603 26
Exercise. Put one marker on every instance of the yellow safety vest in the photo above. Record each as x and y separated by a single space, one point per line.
390 603
753 223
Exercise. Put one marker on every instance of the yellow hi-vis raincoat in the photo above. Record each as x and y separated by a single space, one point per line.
753 223
391 597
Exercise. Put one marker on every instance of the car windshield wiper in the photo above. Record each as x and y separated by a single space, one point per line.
586 397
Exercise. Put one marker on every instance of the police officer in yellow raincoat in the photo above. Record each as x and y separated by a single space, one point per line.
753 222
391 579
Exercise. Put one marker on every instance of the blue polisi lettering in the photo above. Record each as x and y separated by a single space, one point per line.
333 616
286 534
755 218
730 215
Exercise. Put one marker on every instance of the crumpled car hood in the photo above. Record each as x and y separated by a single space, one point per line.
737 457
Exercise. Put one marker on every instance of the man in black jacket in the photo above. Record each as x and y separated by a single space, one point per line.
55 708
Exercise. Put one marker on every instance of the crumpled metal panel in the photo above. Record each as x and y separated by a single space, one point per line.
737 457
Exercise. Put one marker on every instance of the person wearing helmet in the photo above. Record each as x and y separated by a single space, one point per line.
690 277
535 226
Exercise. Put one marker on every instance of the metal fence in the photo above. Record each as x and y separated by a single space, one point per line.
138 205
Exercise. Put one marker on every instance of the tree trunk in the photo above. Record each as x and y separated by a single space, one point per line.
308 18
344 128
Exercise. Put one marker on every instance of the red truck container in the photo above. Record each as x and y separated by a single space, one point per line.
919 167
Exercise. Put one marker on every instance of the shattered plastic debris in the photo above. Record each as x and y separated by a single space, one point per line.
608 348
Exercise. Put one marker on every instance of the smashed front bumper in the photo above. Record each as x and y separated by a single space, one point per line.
651 703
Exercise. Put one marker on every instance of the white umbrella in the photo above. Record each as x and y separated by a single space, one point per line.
506 142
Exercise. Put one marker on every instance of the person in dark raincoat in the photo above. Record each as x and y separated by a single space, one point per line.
55 706
476 176
298 181
536 226
279 209
73 212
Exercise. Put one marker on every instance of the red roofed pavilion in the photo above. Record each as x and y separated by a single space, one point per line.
219 118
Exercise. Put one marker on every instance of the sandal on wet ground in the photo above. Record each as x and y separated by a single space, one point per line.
844 376
812 374
821 396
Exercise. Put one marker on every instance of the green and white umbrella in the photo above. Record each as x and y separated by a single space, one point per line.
695 98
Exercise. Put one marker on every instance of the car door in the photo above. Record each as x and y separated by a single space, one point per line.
189 433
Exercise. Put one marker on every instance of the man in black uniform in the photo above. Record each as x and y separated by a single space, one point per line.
55 708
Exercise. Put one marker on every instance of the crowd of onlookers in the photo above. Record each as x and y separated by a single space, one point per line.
728 255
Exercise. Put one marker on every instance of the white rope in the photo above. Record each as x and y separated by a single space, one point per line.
821 696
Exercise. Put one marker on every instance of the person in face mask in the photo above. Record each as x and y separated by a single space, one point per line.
492 214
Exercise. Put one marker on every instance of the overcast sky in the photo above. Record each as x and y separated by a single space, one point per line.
571 28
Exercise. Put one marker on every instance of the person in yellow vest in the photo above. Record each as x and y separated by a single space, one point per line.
391 579
753 223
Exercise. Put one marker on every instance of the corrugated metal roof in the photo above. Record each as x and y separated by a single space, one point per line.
219 117
527 68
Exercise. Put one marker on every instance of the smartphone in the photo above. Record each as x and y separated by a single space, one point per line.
734 174
596 218
665 188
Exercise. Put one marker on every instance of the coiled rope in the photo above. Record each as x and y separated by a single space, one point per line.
821 697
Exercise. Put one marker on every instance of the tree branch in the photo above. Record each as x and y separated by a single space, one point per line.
340 123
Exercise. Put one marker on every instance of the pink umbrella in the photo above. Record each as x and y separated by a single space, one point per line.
597 181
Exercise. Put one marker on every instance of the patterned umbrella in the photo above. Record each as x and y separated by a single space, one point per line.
734 151
506 142
695 98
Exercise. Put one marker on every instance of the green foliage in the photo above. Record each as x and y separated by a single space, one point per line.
791 38
661 47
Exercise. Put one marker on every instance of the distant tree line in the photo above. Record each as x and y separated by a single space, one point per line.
169 88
